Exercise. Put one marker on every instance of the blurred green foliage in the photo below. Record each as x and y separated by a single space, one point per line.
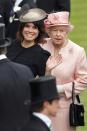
79 35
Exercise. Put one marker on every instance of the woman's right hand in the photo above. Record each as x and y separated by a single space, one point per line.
52 62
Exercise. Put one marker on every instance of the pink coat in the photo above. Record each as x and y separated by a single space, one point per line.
73 67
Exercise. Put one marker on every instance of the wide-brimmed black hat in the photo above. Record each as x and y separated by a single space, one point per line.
3 41
43 88
33 15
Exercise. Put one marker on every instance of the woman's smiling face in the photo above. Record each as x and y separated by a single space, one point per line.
30 32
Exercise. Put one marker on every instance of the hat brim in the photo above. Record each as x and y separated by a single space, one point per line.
69 26
33 15
44 99
6 42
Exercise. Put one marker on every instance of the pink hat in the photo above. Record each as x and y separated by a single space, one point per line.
59 18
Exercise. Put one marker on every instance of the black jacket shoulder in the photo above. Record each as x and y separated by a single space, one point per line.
36 124
42 50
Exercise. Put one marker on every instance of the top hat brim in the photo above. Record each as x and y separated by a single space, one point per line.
5 42
37 101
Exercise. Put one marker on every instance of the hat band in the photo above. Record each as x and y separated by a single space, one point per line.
54 23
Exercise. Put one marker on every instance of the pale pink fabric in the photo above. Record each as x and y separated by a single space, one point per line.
72 68
59 18
61 121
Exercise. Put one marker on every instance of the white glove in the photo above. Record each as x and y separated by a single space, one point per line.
60 89
16 8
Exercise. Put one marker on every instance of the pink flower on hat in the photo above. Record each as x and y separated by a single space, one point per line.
59 18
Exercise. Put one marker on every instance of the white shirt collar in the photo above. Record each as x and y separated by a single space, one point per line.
2 56
0 16
44 118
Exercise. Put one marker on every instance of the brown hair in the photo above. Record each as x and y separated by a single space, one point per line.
3 50
40 27
38 107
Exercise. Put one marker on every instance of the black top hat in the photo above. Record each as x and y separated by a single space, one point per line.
43 88
33 15
3 41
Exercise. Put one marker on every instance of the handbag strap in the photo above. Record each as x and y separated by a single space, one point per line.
73 94
78 99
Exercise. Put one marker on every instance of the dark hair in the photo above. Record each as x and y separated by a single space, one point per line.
38 107
38 24
2 50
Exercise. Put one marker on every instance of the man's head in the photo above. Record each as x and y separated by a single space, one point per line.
47 107
44 95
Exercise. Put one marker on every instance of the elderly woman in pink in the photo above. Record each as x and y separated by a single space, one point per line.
67 63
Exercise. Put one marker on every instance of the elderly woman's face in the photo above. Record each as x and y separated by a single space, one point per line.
30 32
58 34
